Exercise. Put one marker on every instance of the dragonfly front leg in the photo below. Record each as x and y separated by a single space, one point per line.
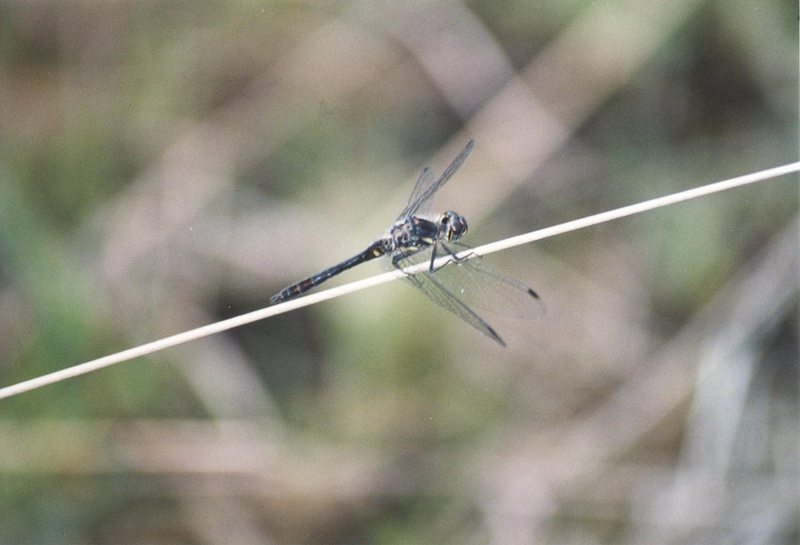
453 256
450 255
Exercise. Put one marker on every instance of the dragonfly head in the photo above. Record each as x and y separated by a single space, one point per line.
452 226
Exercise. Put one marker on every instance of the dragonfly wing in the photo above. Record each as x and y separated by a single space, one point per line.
436 292
424 182
482 287
425 190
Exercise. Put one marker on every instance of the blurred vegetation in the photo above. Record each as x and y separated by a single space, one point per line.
164 165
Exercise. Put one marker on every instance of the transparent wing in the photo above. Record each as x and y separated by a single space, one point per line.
424 182
428 284
458 286
482 287
426 188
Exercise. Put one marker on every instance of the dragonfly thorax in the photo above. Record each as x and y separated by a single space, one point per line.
412 232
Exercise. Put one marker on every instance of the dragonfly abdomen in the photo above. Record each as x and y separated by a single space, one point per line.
375 250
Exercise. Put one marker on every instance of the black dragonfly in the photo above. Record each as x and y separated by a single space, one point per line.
413 239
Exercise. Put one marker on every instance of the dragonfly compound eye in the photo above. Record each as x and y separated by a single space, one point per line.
453 225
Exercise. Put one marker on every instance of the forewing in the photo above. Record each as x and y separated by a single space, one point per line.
425 190
424 182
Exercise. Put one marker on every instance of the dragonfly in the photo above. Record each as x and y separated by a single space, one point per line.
415 238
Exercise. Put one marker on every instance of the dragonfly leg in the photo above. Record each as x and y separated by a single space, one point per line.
452 255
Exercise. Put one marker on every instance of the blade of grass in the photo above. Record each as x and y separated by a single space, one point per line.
224 325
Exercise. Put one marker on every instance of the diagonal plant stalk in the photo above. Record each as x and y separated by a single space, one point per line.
217 327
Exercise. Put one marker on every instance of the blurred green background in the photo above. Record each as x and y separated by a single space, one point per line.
164 165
